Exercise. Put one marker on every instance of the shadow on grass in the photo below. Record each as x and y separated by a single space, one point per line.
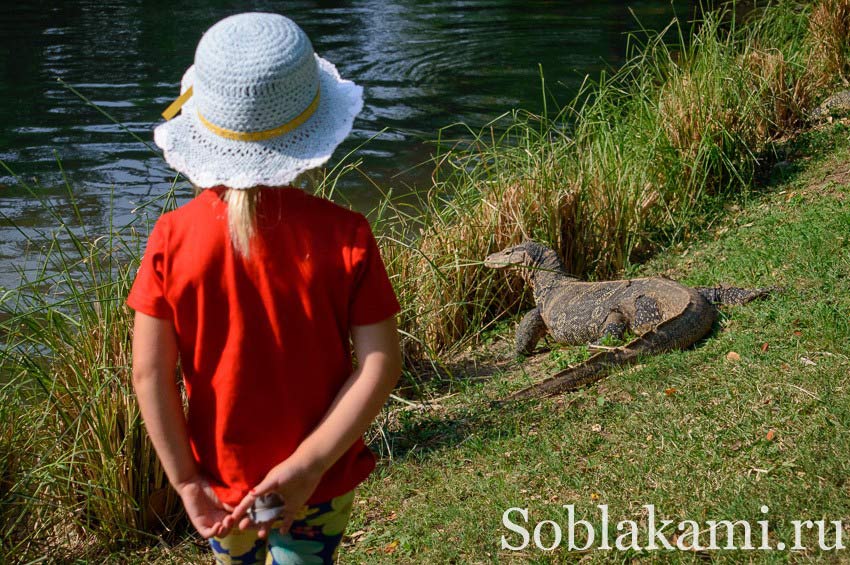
786 160
424 427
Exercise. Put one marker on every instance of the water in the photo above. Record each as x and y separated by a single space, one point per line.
424 65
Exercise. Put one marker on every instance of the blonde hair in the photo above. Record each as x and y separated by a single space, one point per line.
242 217
242 209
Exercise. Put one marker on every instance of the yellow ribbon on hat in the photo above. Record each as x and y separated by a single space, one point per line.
175 106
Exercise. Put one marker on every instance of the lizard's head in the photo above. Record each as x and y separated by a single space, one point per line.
527 253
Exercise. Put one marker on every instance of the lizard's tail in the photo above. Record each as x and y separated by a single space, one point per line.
733 294
572 378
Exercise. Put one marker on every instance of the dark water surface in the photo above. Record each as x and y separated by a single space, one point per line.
424 65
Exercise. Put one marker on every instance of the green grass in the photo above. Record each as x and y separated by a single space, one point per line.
687 431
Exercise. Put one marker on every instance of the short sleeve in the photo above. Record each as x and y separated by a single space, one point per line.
147 294
373 298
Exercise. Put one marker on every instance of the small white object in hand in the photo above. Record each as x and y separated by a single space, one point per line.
266 508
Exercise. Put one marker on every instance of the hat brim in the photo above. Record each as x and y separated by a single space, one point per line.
207 159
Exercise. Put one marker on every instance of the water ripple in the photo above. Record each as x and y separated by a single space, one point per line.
423 65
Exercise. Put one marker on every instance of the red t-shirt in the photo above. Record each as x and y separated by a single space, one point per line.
264 341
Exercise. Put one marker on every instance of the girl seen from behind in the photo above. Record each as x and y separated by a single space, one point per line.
259 289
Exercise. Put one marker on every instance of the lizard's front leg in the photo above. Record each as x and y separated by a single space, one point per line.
530 330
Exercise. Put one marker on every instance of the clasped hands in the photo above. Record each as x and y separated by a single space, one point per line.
294 482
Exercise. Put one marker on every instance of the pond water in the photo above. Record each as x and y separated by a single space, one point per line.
424 65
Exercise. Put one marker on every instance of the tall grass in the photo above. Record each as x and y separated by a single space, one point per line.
638 160
78 470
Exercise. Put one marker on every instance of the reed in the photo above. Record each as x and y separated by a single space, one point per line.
79 472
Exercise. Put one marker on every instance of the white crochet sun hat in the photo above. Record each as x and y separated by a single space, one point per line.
258 107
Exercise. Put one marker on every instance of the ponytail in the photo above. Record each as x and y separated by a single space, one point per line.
241 217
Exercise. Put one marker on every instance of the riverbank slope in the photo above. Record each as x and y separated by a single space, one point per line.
758 413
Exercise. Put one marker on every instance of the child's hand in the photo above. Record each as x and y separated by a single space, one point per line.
293 481
207 513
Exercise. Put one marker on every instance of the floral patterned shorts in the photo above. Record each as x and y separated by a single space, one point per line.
313 538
